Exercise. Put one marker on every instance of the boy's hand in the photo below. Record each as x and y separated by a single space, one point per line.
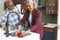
4 28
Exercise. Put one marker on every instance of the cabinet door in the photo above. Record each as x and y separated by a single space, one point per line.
51 6
48 35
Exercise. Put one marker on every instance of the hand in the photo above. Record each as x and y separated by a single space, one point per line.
18 30
24 33
4 28
19 27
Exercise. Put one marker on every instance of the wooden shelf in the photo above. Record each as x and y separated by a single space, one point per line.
51 6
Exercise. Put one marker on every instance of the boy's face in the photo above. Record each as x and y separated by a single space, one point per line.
10 4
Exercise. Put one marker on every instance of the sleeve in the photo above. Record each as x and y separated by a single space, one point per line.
19 12
24 18
4 19
37 22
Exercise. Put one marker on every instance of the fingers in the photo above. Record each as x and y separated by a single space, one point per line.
24 33
4 28
18 33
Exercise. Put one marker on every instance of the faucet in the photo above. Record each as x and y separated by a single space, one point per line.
7 24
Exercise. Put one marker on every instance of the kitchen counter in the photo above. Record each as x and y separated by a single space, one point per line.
50 25
50 32
32 36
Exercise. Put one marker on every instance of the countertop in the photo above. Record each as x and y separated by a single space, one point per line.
32 36
50 25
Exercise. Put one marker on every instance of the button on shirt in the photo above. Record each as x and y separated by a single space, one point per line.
12 19
30 18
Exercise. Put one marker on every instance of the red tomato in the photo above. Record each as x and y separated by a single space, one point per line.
19 34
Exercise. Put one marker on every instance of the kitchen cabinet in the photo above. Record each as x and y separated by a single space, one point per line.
50 33
51 6
58 33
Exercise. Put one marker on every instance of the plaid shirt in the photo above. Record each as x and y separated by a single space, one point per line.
12 15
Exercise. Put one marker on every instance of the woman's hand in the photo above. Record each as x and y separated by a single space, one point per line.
24 33
18 30
19 27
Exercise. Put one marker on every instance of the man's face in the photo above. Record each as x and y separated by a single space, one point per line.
10 5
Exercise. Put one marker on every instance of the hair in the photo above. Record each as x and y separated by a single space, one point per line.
33 2
7 1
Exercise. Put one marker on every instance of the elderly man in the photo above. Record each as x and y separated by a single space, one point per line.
11 14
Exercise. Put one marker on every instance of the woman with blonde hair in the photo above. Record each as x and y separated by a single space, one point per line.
33 16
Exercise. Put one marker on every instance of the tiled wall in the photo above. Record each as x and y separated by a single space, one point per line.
47 18
1 7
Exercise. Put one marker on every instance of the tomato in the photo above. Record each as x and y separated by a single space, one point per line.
19 34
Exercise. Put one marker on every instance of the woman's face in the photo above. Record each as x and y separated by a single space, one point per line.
30 6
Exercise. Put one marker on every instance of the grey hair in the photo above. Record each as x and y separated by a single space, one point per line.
35 2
